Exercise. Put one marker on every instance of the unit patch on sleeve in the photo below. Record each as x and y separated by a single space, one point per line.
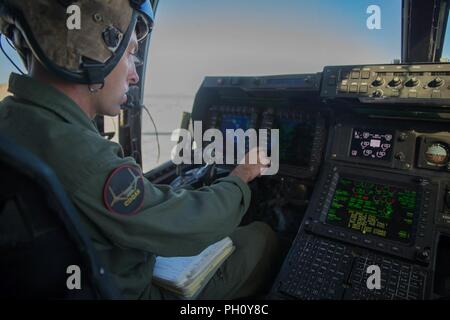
123 192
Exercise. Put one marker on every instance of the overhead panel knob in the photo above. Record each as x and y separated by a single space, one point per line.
413 82
436 83
378 93
378 82
395 82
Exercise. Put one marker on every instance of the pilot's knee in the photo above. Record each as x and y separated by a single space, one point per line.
267 238
256 242
266 230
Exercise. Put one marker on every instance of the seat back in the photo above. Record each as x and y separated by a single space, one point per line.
44 250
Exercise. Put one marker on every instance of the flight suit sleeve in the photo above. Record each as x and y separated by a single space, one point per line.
131 212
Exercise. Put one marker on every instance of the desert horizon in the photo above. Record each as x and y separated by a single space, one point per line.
3 90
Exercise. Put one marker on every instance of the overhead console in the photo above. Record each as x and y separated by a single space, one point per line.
394 83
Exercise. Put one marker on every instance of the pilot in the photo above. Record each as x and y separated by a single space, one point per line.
76 72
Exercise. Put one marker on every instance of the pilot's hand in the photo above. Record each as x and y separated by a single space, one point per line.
251 166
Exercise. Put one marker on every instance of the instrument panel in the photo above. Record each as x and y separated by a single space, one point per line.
372 181
288 103
302 133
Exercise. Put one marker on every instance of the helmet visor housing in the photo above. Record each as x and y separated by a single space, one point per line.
144 24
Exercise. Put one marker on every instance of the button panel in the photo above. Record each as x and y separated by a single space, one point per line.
321 269
416 81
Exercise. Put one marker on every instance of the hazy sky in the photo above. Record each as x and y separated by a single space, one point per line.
192 39
5 66
446 50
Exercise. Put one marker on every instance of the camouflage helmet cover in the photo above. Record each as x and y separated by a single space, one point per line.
86 54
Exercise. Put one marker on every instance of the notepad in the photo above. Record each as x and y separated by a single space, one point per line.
187 276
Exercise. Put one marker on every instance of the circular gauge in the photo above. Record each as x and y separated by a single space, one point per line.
437 154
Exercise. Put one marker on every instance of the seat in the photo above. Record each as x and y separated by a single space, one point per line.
41 235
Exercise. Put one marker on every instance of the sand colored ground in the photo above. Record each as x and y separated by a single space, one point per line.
3 90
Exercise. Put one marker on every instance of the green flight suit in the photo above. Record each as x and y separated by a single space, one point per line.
166 222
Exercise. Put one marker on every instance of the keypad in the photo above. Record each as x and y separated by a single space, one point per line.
323 269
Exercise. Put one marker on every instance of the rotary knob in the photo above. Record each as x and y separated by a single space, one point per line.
400 156
413 82
308 225
402 136
436 83
424 254
377 93
395 82
378 82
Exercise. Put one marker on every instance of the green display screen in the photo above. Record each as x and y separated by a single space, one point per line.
369 208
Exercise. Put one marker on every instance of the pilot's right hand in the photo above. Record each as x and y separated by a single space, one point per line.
247 171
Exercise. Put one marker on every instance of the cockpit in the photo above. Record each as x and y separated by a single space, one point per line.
361 187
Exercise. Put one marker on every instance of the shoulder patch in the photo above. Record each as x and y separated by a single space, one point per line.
123 192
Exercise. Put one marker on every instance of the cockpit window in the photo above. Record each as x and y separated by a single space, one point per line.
445 57
6 67
194 39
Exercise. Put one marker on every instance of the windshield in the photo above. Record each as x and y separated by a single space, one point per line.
194 39
446 48
6 67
